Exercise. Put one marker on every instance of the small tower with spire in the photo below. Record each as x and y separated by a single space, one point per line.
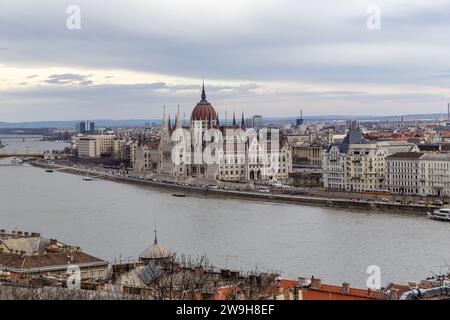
156 253
156 236
203 91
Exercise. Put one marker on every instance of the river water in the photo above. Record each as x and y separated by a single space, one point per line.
112 220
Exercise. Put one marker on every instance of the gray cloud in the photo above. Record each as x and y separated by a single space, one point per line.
315 42
68 78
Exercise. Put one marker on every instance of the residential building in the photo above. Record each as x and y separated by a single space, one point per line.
30 254
97 146
426 174
403 173
357 164
365 164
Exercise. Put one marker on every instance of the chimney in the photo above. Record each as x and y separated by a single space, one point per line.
316 283
346 288
301 281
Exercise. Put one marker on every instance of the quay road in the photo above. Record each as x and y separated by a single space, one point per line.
101 173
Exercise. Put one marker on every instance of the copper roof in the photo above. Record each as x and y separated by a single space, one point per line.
204 111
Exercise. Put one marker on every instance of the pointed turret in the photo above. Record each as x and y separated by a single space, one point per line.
234 118
203 91
242 122
177 119
164 121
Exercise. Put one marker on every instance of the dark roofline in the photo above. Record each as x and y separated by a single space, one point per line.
406 155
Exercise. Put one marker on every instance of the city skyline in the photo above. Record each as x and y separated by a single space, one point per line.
128 67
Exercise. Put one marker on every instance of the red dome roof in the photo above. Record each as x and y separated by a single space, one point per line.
204 111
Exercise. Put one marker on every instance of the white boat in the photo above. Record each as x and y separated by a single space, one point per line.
87 178
441 214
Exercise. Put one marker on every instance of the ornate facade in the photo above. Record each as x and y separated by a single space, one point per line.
238 157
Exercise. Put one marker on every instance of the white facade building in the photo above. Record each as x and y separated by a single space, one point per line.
425 174
357 165
96 146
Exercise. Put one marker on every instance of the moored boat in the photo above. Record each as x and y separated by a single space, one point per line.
179 195
441 214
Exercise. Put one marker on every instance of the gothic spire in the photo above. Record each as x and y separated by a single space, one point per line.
203 91
234 118
156 238
242 121
164 121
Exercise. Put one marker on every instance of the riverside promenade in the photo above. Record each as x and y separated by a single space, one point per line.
359 204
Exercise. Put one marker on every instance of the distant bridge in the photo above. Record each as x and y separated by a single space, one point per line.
15 154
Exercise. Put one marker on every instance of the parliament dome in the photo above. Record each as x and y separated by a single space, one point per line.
204 111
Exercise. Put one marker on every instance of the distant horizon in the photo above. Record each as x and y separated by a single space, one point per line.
133 122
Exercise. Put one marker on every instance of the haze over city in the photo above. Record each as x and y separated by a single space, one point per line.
260 57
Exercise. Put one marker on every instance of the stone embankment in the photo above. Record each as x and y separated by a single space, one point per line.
359 204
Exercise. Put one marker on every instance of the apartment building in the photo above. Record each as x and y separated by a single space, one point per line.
96 146
426 174
365 164
403 172
357 164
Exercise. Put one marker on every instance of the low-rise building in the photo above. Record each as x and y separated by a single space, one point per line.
25 254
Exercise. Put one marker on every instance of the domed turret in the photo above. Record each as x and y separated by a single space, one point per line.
204 112
155 252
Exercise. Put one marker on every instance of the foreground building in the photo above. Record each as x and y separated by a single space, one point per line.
24 254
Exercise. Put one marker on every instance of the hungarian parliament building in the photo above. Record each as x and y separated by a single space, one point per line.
237 159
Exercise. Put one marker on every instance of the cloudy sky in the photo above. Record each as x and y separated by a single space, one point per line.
268 57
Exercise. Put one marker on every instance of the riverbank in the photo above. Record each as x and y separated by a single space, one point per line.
255 196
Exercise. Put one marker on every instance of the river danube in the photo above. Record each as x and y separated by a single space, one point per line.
112 220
